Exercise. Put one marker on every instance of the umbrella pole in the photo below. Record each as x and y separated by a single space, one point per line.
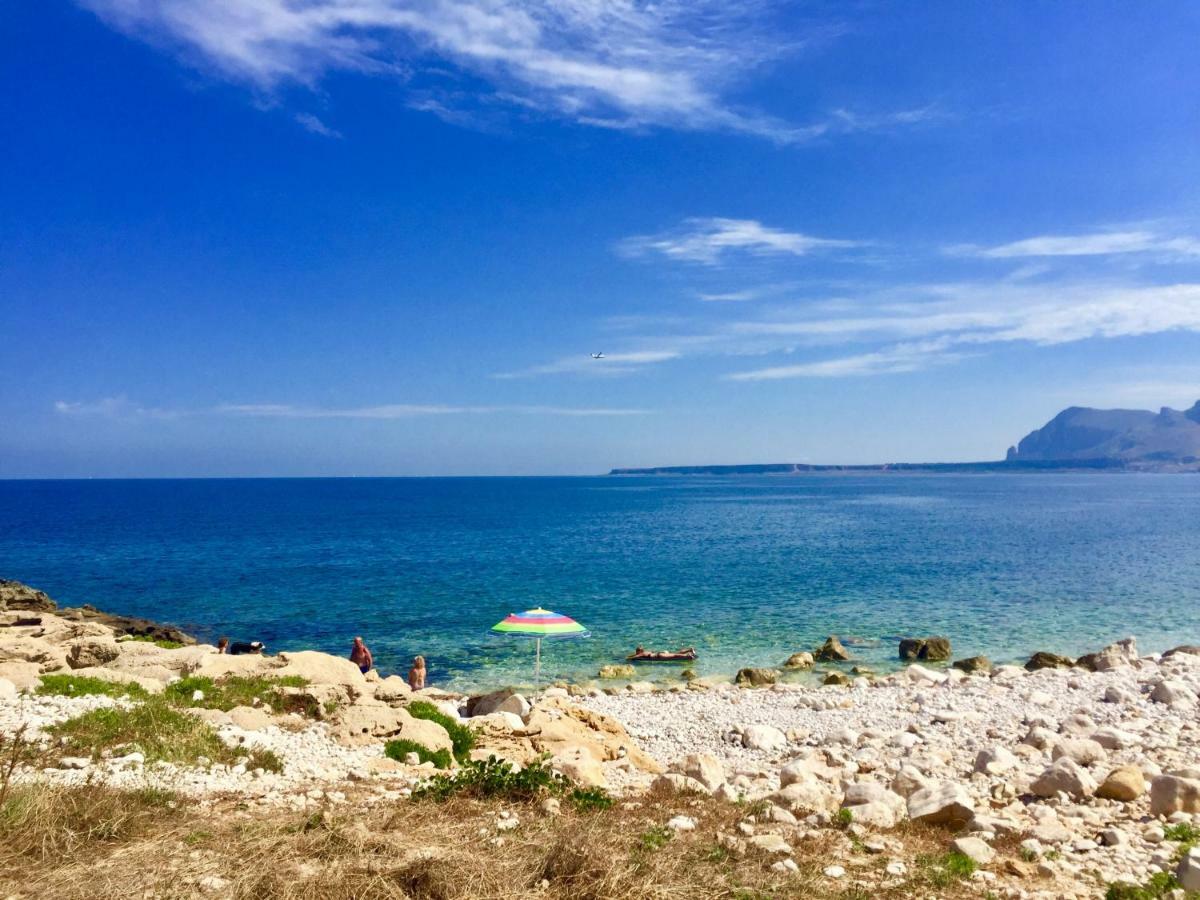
537 664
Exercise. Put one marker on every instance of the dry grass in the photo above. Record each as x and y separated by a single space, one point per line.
92 841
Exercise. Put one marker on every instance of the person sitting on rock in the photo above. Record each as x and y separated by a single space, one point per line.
223 645
361 656
416 675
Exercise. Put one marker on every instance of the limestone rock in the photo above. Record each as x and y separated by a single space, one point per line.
1171 692
126 626
24 675
1124 783
392 689
618 671
248 718
756 677
908 781
675 783
804 797
770 843
1067 776
801 660
973 664
321 668
995 760
1122 653
933 649
94 651
945 803
14 595
506 700
1045 660
840 679
1172 794
975 849
8 691
557 723
763 737
871 804
1188 872
832 651
579 765
705 768
1081 750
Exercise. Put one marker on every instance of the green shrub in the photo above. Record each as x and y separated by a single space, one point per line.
82 685
399 749
157 642
157 729
655 838
944 871
843 818
1161 884
267 760
242 690
589 799
462 737
496 778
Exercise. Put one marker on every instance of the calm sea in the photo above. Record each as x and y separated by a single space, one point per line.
747 570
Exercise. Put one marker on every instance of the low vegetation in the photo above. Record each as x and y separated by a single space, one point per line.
496 778
153 727
462 737
82 686
943 871
399 750
147 639
242 690
1160 885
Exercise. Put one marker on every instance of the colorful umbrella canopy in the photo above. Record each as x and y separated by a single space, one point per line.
538 624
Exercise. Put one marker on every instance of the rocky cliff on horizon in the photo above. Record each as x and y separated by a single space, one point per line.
1136 437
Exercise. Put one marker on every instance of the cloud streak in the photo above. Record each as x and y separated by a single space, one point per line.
583 364
1103 243
710 240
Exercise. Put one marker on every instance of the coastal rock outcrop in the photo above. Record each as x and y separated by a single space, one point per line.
972 664
756 677
17 596
1045 660
932 649
832 651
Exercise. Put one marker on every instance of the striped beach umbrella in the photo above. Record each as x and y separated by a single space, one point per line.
540 624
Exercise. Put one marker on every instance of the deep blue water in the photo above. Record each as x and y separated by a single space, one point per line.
747 569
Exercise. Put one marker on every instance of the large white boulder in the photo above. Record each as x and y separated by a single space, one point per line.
942 803
321 668
763 737
704 767
1066 776
1174 793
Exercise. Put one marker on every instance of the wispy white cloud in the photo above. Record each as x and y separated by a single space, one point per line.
311 123
1102 243
708 240
892 360
608 63
118 407
583 364
936 324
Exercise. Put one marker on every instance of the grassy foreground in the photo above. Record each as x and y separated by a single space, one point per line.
92 841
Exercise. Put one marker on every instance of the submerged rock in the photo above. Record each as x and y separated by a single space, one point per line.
933 649
756 677
617 671
832 651
801 660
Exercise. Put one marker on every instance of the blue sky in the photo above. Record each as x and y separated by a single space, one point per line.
355 237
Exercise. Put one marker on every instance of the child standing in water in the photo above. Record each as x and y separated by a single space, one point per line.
416 675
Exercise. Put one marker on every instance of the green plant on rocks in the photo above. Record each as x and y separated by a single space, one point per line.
589 799
499 779
85 686
154 727
242 690
147 639
943 871
1161 884
655 838
399 750
462 737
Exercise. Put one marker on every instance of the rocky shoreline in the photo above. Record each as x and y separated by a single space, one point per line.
1055 780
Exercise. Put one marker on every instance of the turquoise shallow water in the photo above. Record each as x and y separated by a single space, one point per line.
746 569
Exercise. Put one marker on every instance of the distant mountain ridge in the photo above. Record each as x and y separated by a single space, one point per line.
1132 436
1078 438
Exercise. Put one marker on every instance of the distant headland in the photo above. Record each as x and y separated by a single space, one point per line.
1077 439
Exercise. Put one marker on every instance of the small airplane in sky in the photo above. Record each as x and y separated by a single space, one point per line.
597 356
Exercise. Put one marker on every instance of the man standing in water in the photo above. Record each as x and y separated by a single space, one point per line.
361 656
